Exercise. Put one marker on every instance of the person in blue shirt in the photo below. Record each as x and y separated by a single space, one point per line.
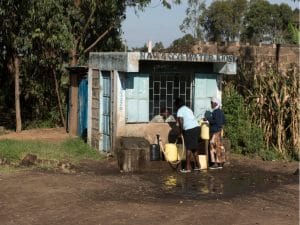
216 123
190 130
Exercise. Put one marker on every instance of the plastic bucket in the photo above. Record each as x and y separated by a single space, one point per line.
203 162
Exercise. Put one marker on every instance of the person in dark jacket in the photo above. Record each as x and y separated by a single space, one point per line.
216 123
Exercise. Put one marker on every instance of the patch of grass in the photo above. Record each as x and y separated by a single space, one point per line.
78 150
6 169
72 150
274 155
45 123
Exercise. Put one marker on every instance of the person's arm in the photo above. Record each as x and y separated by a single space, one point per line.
180 123
212 119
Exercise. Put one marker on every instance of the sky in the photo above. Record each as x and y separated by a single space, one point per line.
157 23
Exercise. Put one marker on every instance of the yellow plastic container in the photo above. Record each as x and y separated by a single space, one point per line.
203 162
180 152
204 134
171 152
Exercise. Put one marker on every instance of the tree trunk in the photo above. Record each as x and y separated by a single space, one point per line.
59 99
77 3
73 57
17 93
73 118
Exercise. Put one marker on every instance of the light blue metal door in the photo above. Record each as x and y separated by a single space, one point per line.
137 97
206 86
82 108
106 111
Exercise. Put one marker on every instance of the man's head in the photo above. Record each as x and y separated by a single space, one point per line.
178 103
164 112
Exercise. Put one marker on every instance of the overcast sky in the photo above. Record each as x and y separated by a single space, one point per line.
159 24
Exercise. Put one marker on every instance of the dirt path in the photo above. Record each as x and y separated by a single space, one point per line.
246 192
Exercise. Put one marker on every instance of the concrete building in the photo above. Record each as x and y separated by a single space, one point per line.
127 91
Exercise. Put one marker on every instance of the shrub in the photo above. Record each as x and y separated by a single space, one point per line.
245 136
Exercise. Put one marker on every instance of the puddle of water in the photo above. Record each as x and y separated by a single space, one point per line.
200 184
221 183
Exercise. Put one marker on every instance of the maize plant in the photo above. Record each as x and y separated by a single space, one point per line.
273 98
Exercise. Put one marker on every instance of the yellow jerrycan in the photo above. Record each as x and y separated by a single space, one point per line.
204 134
171 152
174 153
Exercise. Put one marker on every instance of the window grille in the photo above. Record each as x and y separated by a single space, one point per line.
164 88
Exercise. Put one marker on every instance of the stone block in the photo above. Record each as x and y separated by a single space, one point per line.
133 154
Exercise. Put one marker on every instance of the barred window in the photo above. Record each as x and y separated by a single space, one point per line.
164 88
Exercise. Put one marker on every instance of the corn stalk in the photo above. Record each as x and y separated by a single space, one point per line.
295 108
274 100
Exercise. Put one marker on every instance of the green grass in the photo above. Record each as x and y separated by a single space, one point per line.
72 150
6 169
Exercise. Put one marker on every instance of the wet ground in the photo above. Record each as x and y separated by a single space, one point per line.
246 191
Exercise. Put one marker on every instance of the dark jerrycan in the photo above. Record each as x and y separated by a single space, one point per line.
155 151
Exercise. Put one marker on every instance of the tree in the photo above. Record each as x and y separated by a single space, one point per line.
93 20
158 47
192 24
280 18
293 35
43 32
41 37
239 8
12 14
264 20
48 40
182 45
222 21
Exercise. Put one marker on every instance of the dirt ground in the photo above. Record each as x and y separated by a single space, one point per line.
246 192
45 134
